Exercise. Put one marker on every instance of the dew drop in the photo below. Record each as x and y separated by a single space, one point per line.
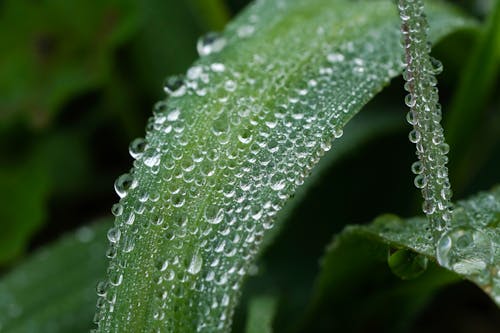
220 125
437 66
195 264
414 136
114 235
210 43
174 86
123 184
335 57
245 31
420 181
417 167
465 250
214 215
137 147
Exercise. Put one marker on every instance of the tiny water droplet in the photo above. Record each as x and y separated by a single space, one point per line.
114 235
335 57
123 184
214 215
195 264
210 43
137 147
174 86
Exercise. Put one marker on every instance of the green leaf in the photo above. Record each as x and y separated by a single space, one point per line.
25 189
261 311
54 291
31 180
231 145
355 267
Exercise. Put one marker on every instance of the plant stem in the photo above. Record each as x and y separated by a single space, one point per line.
425 116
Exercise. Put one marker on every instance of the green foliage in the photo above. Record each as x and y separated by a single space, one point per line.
256 115
54 291
228 149
260 314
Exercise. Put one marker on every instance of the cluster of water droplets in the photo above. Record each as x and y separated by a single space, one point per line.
425 116
469 248
459 246
221 157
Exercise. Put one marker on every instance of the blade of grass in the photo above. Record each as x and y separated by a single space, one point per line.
231 145
261 312
357 265
54 291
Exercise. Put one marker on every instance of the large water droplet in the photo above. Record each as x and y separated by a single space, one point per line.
465 250
407 264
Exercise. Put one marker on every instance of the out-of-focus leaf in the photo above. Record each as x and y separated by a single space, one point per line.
54 291
58 165
261 312
23 197
355 266
212 13
55 49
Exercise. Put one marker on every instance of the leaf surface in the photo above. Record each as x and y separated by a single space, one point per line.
359 261
231 145
54 291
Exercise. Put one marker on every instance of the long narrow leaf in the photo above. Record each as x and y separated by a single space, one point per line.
229 148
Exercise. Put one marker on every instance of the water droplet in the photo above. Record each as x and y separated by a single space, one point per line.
123 184
335 57
420 181
217 67
220 125
437 66
174 86
210 43
465 250
114 235
245 31
410 101
414 136
214 215
230 85
407 264
137 147
195 264
417 167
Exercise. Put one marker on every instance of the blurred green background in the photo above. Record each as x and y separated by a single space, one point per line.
77 83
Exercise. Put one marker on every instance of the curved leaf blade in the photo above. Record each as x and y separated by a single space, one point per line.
54 291
231 145
363 250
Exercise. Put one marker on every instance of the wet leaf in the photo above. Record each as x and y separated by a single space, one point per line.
355 266
231 145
